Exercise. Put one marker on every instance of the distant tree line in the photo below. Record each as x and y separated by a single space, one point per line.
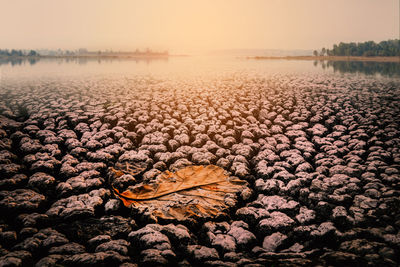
17 53
79 52
366 49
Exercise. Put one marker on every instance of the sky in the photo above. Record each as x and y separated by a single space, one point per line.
179 25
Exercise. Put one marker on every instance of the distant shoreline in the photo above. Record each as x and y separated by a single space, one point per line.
161 56
331 58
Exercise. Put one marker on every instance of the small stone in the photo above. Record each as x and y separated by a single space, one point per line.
150 257
201 253
340 216
323 230
272 242
95 241
178 234
224 242
112 205
278 221
305 215
244 238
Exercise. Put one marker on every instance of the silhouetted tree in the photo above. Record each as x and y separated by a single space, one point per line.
32 53
370 48
17 53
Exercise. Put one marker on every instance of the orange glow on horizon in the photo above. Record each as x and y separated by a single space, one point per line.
180 25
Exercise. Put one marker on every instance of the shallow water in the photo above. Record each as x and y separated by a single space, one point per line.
186 66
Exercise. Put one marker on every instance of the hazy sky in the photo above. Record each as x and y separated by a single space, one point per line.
179 25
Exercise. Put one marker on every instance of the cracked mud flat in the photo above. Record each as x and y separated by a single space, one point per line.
321 155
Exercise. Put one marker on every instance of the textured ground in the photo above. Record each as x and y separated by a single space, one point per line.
321 155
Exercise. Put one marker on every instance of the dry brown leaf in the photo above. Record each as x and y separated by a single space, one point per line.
194 191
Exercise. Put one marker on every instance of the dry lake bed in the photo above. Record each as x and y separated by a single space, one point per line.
318 147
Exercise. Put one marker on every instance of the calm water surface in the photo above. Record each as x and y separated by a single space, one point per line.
186 66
